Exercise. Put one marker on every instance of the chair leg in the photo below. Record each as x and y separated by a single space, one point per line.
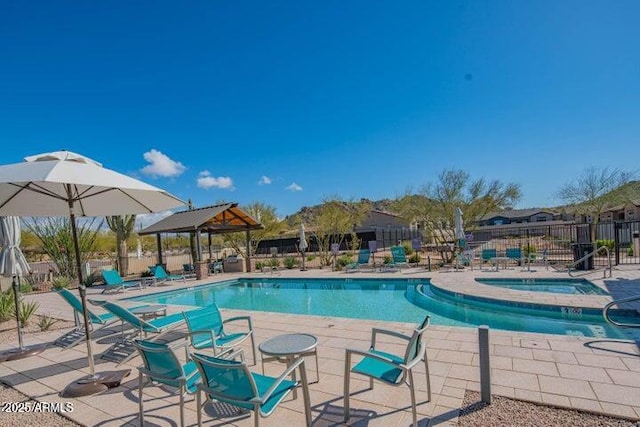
253 349
413 398
182 391
140 397
347 375
256 422
199 404
426 368
305 393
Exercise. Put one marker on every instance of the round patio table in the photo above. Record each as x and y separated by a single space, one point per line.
147 311
288 348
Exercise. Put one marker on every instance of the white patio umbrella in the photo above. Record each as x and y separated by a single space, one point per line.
63 183
459 228
303 244
13 264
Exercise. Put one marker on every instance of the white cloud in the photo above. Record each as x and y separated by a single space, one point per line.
161 165
264 180
294 187
145 220
206 181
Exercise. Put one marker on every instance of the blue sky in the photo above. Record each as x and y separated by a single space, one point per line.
291 102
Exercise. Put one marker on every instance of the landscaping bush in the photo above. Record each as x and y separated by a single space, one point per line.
630 251
61 282
311 257
343 261
274 263
529 249
408 249
387 259
7 307
605 242
46 322
259 265
25 288
290 262
26 311
415 258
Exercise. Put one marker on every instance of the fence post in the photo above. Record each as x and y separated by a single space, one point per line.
485 365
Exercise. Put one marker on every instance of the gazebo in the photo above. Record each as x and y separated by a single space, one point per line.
217 219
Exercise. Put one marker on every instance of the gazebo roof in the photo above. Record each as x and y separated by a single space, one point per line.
223 218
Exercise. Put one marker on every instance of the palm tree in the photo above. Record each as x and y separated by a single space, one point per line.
122 226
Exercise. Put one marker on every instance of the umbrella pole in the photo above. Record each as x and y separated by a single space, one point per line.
82 289
16 289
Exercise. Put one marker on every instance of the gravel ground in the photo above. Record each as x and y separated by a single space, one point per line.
13 401
516 413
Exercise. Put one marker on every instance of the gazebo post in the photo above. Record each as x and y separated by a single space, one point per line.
159 244
248 260
198 247
209 235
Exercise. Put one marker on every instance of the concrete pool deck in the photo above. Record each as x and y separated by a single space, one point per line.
594 374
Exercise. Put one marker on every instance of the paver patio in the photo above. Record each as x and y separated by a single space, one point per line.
594 374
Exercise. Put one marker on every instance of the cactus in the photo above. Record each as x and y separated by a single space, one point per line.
122 226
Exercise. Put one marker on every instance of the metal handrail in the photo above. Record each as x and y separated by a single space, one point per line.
591 254
605 312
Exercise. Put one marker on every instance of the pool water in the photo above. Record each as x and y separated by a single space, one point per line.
379 299
555 286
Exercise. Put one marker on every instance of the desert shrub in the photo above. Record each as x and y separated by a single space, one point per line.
274 263
93 278
46 322
343 261
289 262
25 288
147 273
408 249
259 265
608 243
27 309
387 259
7 306
630 251
61 282
414 259
311 257
529 249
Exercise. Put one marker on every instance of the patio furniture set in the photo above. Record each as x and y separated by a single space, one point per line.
214 365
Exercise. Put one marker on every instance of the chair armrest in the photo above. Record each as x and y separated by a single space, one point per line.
283 376
376 331
372 356
234 319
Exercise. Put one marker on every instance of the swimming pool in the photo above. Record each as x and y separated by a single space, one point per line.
556 286
399 300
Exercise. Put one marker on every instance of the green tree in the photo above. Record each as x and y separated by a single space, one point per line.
265 215
434 205
333 221
56 239
594 191
122 226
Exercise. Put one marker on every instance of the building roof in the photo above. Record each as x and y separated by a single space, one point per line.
516 213
223 218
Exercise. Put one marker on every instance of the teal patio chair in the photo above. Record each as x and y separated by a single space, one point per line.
488 255
398 257
231 382
71 339
114 282
161 366
363 259
390 368
161 276
142 327
514 254
206 330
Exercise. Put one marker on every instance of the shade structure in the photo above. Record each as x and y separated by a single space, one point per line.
63 183
459 228
13 264
303 245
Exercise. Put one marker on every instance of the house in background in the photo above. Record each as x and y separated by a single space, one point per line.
521 216
626 212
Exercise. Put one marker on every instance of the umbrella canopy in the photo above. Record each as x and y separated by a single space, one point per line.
459 227
63 183
303 239
12 260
